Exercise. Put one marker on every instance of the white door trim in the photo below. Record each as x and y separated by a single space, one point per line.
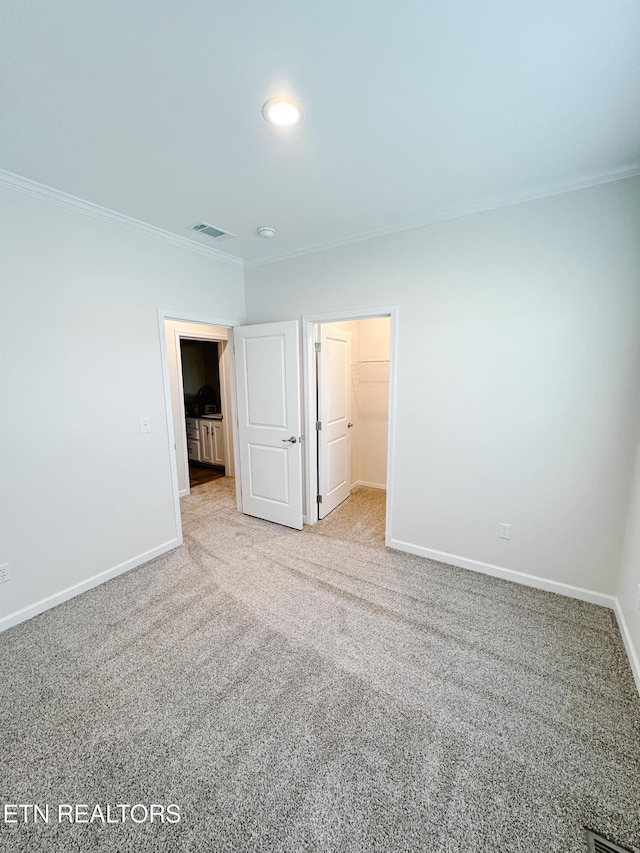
180 317
309 321
183 431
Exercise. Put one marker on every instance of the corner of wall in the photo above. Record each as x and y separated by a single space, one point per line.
632 652
44 604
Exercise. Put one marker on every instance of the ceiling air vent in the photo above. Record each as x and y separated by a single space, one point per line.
598 844
211 231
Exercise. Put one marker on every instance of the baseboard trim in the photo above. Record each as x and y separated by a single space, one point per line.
507 574
632 652
381 486
71 591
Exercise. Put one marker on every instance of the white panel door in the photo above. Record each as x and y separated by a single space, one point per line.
269 416
334 414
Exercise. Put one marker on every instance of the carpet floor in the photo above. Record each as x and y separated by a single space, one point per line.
314 691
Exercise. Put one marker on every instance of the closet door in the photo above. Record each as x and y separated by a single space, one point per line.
334 415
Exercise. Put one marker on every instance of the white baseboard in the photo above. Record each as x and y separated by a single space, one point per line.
71 591
632 653
382 486
507 574
184 492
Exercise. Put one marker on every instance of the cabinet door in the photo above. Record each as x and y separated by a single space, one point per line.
218 443
193 450
206 443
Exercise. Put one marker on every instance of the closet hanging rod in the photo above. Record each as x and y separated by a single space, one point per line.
373 361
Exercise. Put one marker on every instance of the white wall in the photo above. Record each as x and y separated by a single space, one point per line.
517 400
371 387
370 341
82 492
629 582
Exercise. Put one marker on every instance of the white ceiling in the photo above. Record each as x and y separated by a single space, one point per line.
413 111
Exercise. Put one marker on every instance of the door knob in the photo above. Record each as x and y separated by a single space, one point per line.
349 425
293 439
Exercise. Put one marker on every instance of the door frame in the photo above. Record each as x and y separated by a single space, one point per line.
229 368
223 360
310 468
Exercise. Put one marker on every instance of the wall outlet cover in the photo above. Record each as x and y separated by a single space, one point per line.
5 574
504 530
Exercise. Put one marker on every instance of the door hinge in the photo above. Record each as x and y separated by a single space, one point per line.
317 347
318 425
319 499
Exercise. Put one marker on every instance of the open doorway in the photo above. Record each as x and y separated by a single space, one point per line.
200 394
353 360
203 409
385 459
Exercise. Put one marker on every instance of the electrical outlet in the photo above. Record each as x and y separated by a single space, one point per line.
5 574
504 530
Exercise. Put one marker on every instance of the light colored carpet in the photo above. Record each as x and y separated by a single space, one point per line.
299 691
361 518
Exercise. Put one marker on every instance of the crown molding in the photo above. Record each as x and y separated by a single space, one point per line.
88 208
458 211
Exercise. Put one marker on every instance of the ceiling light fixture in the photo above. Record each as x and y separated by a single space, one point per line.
282 112
266 231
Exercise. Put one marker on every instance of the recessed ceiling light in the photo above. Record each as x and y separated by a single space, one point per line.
282 112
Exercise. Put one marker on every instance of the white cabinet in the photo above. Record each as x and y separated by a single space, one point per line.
218 443
206 450
210 441
193 439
